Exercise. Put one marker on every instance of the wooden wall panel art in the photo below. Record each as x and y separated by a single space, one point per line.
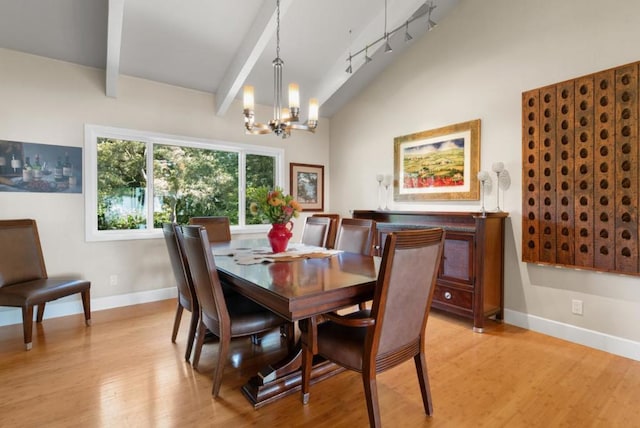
580 177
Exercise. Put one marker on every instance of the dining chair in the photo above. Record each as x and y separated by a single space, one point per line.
186 291
356 236
24 282
218 227
225 316
333 227
316 231
218 230
393 331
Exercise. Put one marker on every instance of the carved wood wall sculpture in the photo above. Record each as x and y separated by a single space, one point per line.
580 172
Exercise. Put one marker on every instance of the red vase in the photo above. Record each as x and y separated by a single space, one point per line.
279 236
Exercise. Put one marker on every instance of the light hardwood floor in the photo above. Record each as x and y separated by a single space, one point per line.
123 371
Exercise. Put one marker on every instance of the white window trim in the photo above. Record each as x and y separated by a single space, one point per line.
93 132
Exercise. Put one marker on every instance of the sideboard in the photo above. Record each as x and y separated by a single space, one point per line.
470 280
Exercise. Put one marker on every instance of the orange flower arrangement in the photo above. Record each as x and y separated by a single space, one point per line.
274 205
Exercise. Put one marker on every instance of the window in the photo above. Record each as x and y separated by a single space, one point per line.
136 181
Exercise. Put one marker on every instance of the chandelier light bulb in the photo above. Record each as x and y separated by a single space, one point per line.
248 97
294 95
313 110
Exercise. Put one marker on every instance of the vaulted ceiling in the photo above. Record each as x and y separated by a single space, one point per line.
217 46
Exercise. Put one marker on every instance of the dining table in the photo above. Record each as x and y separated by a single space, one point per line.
301 283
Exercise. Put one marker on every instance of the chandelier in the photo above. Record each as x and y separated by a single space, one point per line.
284 119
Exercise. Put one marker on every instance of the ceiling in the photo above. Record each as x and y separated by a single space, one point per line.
217 46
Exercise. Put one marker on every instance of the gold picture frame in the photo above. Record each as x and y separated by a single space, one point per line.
306 184
438 164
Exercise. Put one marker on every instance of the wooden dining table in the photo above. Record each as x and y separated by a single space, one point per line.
296 289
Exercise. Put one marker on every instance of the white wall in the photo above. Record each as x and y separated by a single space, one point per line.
48 102
476 64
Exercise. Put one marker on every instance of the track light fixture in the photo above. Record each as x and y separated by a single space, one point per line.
425 10
430 23
387 46
407 36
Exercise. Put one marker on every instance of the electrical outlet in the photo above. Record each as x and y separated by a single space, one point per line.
576 307
113 280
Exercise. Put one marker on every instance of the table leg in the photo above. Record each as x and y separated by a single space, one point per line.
285 377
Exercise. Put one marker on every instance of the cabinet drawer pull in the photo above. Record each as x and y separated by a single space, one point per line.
447 295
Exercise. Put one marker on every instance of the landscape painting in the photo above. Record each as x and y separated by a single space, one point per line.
438 164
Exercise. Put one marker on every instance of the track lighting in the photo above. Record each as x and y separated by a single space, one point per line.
425 10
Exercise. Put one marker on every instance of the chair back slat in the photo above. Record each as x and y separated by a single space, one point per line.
405 287
21 256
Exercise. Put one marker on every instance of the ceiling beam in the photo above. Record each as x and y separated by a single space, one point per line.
248 53
336 76
114 44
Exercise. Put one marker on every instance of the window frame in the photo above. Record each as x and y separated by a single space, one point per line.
93 132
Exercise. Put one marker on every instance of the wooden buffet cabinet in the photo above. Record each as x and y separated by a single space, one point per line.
471 277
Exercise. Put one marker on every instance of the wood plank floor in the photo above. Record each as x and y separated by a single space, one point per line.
123 371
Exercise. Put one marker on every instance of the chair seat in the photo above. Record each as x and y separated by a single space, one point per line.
40 291
247 317
345 343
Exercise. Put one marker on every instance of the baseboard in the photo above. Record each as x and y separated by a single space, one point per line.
73 305
593 339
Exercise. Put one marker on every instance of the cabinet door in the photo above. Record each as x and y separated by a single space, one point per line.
457 259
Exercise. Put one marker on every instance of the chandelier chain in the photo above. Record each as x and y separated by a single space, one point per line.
278 29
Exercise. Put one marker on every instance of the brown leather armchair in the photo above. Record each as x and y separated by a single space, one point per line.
23 276
393 331
225 316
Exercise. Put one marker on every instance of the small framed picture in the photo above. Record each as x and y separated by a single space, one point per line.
307 185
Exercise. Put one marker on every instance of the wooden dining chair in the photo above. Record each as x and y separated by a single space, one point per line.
186 291
356 236
24 282
333 227
218 227
225 316
393 330
316 231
